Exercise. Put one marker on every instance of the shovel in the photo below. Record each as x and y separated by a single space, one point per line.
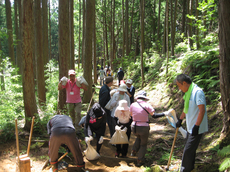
169 161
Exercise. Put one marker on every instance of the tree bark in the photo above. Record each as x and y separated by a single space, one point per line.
9 31
224 36
71 38
1 71
27 63
39 54
190 25
45 32
88 45
127 27
197 28
173 29
83 34
18 59
142 15
63 47
158 26
184 16
79 36
19 56
123 30
94 46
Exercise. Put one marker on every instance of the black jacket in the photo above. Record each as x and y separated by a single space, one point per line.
95 121
104 95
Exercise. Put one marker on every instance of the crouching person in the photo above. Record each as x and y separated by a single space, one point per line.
95 123
62 131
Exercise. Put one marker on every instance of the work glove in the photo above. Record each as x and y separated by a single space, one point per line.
168 113
125 129
100 140
117 128
178 124
88 139
64 80
195 130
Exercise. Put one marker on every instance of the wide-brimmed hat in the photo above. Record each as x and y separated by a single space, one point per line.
129 81
71 72
123 105
142 95
122 87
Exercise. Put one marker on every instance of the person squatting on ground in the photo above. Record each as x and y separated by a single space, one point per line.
95 123
73 98
130 90
140 111
62 131
120 75
102 76
104 98
123 121
196 119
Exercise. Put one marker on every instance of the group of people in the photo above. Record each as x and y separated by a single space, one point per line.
120 111
104 72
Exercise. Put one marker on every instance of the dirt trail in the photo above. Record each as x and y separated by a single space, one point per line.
106 163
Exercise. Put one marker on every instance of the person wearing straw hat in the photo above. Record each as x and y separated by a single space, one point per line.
73 98
196 119
117 96
140 111
123 121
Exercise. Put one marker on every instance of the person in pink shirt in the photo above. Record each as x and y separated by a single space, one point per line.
73 98
140 111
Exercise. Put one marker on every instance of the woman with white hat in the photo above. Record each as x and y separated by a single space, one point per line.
119 95
123 122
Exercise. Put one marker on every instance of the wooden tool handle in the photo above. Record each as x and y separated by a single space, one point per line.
172 148
31 131
90 102
16 133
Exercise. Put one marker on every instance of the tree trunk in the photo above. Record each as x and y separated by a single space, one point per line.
79 36
131 28
197 28
167 34
83 34
224 36
204 19
71 38
50 39
123 30
111 35
173 29
1 71
18 60
127 26
39 54
106 34
190 25
19 56
90 4
9 31
27 63
158 26
142 15
184 16
154 21
45 32
94 47
63 47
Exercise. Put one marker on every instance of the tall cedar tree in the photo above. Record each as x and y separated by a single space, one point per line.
63 47
88 48
27 63
224 37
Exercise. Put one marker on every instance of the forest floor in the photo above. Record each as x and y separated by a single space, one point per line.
159 147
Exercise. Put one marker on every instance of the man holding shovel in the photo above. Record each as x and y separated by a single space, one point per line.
62 131
196 119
